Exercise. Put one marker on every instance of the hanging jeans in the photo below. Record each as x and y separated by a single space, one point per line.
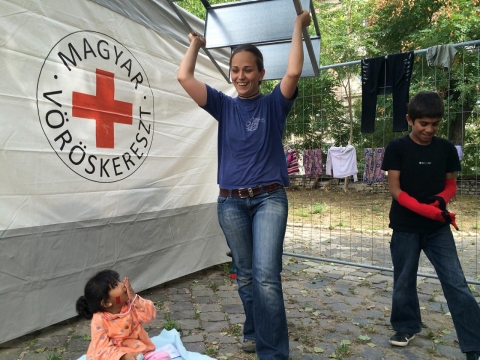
381 76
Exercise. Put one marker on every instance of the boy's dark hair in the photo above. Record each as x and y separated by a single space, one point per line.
252 49
426 104
96 290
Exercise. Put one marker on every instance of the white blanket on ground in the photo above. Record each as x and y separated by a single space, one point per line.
172 337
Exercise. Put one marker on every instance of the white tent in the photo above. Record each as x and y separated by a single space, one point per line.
105 160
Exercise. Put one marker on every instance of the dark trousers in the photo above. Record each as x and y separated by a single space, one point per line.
382 76
440 249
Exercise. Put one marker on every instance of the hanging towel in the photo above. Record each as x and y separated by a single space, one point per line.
342 161
390 75
312 162
442 56
373 172
292 161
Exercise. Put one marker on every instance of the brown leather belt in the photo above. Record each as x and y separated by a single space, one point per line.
250 192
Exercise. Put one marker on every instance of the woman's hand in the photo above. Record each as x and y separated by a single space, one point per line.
304 18
197 40
131 294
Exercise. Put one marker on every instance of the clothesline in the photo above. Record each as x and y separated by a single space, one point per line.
421 51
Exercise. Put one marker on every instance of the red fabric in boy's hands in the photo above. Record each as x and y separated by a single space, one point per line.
450 218
426 210
441 199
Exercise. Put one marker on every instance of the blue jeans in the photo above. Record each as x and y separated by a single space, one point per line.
255 230
440 249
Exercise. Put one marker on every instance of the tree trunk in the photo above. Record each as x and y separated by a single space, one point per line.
456 131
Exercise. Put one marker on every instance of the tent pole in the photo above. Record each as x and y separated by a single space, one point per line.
189 28
306 37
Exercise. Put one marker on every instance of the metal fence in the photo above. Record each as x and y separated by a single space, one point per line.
348 223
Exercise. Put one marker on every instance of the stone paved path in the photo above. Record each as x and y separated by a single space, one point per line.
333 311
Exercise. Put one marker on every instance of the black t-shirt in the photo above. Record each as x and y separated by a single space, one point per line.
422 174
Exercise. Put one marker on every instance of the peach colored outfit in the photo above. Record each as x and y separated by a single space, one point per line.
114 335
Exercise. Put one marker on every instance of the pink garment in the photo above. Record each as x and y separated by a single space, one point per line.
373 172
292 161
312 162
157 355
114 335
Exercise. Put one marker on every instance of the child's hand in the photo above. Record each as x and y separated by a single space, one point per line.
450 218
128 357
438 202
130 292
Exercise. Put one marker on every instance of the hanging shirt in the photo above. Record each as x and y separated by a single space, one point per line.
442 56
459 151
342 161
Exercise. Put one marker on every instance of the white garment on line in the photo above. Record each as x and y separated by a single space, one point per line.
459 151
342 161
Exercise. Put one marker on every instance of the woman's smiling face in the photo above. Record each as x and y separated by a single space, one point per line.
245 74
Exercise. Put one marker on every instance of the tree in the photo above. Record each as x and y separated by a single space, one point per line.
399 26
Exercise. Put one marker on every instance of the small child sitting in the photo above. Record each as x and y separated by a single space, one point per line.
117 315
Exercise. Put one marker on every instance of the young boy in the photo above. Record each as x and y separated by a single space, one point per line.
421 179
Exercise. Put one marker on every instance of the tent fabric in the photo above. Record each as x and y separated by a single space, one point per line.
106 161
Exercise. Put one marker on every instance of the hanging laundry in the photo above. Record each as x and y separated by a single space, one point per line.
373 172
381 76
312 162
459 151
291 159
342 161
442 56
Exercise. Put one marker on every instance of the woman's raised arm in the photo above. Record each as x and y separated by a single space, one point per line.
186 72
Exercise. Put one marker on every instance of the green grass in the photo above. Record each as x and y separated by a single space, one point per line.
170 324
302 213
226 268
53 357
214 286
210 352
319 208
235 330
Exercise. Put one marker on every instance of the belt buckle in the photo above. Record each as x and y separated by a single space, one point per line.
249 190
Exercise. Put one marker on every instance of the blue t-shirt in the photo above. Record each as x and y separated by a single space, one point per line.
250 149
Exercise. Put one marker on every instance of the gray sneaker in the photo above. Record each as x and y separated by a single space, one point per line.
248 346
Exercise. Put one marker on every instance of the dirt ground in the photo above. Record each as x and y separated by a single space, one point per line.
361 211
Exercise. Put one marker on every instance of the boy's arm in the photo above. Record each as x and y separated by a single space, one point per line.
442 199
394 183
186 72
295 56
412 204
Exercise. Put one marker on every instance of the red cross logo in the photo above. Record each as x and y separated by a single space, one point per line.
103 108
